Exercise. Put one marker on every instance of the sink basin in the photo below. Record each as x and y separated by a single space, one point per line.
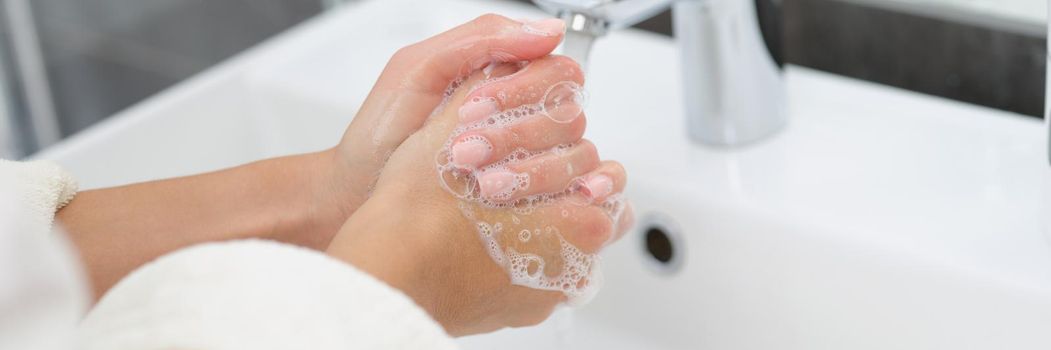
878 219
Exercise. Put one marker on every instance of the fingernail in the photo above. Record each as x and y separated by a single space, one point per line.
627 219
545 27
598 186
477 109
478 63
623 223
497 184
471 152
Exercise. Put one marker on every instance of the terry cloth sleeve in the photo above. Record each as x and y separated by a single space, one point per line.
256 294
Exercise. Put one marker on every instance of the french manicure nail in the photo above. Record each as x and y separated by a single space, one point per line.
545 27
598 186
477 109
497 184
627 219
623 223
471 152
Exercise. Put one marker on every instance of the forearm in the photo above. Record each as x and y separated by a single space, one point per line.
289 199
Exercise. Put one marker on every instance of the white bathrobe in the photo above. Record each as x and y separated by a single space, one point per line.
235 295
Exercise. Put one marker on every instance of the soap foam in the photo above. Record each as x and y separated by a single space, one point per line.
535 254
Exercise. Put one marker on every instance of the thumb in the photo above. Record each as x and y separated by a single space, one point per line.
414 81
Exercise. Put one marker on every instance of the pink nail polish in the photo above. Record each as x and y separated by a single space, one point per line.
545 27
598 186
471 152
498 184
477 109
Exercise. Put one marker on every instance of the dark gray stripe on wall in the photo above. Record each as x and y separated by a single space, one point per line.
963 61
973 61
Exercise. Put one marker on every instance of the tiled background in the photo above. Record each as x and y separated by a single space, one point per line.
996 62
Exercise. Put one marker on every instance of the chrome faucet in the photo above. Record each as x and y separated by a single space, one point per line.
733 84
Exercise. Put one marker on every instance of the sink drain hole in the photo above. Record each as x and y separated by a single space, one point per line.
661 243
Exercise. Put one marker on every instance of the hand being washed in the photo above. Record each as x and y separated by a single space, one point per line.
491 214
411 87
301 199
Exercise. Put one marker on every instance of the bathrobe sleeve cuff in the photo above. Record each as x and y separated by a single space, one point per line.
256 294
42 188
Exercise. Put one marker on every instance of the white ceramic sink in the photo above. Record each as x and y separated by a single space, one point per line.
879 219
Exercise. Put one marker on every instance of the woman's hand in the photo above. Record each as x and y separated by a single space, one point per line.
411 87
301 199
490 215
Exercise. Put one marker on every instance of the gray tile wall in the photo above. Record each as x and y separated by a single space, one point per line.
104 55
983 64
975 61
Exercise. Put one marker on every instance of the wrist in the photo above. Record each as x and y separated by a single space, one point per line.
332 193
389 248
307 203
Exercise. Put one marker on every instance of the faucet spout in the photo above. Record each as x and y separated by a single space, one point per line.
616 14
587 20
732 76
577 45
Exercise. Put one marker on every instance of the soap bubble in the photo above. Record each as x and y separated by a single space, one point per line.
523 236
564 102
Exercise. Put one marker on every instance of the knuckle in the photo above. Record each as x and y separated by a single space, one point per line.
568 67
490 19
539 181
618 172
597 228
577 127
406 54
587 148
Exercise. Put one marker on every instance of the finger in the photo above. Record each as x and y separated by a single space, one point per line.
489 38
554 82
478 147
443 122
549 172
415 80
608 179
602 188
586 227
482 108
624 223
